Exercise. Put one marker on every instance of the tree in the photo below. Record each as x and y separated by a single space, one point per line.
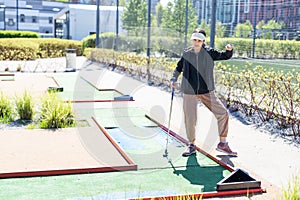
167 21
270 26
205 27
266 30
260 24
243 30
134 17
159 14
175 14
220 29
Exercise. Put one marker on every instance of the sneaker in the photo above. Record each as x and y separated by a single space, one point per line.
224 147
190 150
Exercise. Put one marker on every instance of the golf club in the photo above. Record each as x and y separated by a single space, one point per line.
170 114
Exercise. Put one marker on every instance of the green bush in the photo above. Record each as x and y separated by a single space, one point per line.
55 113
163 44
32 48
18 34
18 49
6 109
54 47
292 192
264 48
24 106
89 41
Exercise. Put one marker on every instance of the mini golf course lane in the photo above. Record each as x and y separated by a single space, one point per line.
117 117
77 89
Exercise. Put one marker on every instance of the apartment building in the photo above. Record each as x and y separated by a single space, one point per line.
77 21
29 15
57 19
233 12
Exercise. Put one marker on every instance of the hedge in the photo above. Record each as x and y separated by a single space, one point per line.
33 48
173 46
18 34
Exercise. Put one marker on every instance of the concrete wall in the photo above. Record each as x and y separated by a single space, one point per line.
83 20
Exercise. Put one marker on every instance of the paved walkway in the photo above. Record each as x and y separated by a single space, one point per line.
267 157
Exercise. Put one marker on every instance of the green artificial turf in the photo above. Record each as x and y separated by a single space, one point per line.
75 89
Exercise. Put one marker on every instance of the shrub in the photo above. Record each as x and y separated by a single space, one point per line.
6 110
292 192
32 48
54 47
24 106
18 34
18 49
55 113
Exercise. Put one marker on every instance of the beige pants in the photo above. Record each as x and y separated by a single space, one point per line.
190 103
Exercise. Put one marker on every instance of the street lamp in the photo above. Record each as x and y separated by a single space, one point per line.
148 33
213 23
17 14
117 26
97 23
186 22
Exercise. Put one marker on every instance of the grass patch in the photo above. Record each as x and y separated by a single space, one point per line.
55 113
24 106
278 65
6 109
292 192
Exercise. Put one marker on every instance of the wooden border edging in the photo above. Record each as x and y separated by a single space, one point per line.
181 139
114 143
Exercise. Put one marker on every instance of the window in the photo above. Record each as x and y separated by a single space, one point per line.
34 19
2 17
50 19
22 18
269 14
247 4
11 22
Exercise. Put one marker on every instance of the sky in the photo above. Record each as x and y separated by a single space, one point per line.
164 2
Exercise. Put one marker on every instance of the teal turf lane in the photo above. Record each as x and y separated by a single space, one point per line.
146 147
118 117
124 122
75 89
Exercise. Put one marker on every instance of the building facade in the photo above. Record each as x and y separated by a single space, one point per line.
71 20
232 12
76 21
29 15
